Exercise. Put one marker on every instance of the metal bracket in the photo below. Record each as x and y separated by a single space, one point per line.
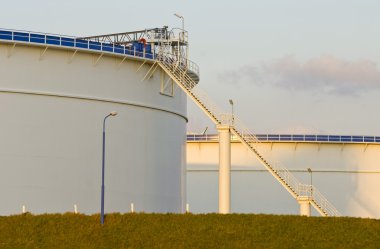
97 60
138 69
365 147
10 50
43 53
150 71
121 62
154 70
72 56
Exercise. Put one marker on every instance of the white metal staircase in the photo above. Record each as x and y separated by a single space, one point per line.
181 73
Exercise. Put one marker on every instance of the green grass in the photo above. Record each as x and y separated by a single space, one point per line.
186 231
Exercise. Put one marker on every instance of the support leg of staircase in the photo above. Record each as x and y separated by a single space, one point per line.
304 202
224 168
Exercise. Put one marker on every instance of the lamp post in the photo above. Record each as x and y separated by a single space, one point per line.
183 21
232 111
311 180
103 160
183 34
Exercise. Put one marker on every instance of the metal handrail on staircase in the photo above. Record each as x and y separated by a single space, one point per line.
178 72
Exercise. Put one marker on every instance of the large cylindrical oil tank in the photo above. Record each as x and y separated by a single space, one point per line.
53 99
344 168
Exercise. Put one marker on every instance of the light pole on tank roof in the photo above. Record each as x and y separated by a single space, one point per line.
182 19
183 32
232 111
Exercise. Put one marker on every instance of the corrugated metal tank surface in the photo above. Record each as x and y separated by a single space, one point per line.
52 105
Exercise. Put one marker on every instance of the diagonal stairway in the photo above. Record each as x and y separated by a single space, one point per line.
185 79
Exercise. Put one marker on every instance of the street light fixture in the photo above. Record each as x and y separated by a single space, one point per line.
311 180
183 34
183 21
232 111
103 160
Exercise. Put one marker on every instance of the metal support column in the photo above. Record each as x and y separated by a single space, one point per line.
304 202
224 168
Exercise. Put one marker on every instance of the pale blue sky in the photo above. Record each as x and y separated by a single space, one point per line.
290 65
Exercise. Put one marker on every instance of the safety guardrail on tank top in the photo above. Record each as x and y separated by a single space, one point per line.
35 38
296 138
178 71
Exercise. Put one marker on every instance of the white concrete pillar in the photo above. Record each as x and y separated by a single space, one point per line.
304 202
224 168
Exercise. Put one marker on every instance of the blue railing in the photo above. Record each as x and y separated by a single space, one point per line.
295 138
72 42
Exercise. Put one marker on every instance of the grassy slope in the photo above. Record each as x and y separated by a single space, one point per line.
187 231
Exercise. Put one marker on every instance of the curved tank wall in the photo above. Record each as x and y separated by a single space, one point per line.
52 104
346 173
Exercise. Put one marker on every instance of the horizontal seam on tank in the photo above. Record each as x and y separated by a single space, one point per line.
91 99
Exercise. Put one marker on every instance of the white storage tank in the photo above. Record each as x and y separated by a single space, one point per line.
344 168
54 94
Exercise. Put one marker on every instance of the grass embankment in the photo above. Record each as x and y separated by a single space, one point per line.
186 231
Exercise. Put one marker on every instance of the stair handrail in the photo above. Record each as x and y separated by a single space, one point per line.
319 199
200 94
170 58
299 188
248 137
245 133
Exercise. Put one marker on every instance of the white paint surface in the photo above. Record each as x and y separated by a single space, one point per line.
254 190
50 146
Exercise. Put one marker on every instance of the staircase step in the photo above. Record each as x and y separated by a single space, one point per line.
181 77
